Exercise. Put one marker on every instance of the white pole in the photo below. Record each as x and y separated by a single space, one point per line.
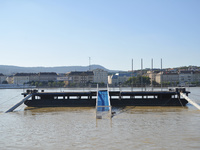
97 101
89 64
142 73
161 75
132 77
18 104
110 111
97 94
152 74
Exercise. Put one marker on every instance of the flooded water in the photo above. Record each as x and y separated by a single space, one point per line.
159 128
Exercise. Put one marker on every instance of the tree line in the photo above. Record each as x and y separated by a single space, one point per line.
47 83
137 81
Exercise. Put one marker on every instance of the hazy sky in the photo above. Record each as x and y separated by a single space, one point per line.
111 32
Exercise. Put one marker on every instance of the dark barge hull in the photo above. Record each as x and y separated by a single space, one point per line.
114 103
117 99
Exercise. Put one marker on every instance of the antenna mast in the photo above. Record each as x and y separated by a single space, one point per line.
152 74
161 77
142 74
89 63
132 76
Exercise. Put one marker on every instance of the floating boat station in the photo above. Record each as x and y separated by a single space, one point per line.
103 100
116 98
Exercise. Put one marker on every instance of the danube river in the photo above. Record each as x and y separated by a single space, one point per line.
159 128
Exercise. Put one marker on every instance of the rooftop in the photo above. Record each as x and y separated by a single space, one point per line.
80 73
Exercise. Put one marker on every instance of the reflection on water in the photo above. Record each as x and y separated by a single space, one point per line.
77 128
57 109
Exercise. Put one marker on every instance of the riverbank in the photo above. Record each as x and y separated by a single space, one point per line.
15 86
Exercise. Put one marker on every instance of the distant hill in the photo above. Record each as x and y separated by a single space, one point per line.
8 70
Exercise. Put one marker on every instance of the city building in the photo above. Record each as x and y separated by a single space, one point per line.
81 78
9 79
185 78
113 80
100 76
20 78
47 76
33 77
152 75
2 78
119 78
167 77
23 78
196 77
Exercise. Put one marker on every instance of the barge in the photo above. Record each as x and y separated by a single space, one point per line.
117 98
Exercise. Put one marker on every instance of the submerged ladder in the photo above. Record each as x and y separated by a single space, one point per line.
102 102
19 103
190 101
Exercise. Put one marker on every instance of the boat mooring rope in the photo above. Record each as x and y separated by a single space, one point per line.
10 99
180 101
166 102
121 111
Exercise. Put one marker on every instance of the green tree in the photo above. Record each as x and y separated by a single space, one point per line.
33 83
54 84
138 80
61 84
36 84
49 84
40 84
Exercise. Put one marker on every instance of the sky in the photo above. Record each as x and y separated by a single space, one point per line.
53 33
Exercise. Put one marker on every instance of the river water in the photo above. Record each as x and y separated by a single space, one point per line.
159 128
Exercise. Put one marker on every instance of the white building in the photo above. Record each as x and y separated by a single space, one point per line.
80 77
47 76
20 78
9 79
119 78
33 77
113 80
23 78
100 76
196 76
171 77
185 78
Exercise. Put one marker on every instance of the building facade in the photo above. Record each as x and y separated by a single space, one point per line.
113 80
100 76
9 79
33 77
80 78
2 78
170 77
185 78
23 78
196 77
119 78
20 78
152 75
47 76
